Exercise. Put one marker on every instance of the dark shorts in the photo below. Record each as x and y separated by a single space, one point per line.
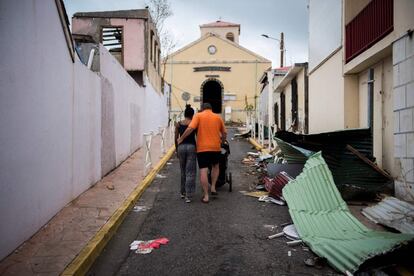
207 158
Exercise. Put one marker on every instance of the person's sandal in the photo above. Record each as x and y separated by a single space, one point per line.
204 201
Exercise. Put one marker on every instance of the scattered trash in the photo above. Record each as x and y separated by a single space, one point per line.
244 133
276 235
110 187
266 198
316 262
264 156
289 253
393 213
140 208
257 194
146 247
161 176
269 226
254 154
293 243
260 187
249 160
290 232
169 163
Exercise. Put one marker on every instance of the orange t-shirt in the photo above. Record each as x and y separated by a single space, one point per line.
209 127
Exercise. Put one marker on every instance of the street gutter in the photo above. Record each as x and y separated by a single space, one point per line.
84 260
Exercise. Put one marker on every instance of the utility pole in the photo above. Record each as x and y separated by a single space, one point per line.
281 44
282 48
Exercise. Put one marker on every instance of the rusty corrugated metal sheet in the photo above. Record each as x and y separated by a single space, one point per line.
275 185
393 213
325 223
293 170
353 177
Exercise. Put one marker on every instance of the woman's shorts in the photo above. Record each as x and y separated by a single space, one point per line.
207 158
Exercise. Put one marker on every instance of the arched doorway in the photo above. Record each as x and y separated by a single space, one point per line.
211 92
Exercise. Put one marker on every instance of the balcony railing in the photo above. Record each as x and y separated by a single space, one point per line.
373 23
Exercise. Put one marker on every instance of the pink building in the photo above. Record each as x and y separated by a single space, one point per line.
130 36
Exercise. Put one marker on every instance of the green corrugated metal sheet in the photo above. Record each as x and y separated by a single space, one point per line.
293 154
325 223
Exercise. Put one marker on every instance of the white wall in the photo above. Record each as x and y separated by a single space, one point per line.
42 162
155 109
326 96
325 19
263 105
58 119
136 109
86 129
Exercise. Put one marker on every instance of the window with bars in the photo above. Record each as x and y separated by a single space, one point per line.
112 39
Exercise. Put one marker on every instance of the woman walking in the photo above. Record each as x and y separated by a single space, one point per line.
187 155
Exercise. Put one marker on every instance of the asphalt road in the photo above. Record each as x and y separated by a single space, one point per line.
228 236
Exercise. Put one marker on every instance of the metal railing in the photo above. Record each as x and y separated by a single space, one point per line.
147 152
373 23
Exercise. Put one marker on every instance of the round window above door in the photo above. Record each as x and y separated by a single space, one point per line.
212 49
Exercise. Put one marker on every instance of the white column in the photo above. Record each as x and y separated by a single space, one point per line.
270 107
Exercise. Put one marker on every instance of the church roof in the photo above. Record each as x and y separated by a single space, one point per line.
219 23
262 59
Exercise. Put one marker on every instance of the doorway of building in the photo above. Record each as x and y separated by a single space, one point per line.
282 112
212 93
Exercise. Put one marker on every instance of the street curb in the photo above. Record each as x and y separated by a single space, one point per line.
84 260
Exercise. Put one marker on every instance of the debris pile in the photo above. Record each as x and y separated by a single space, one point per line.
313 175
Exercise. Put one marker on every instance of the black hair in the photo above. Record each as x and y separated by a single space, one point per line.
188 112
207 106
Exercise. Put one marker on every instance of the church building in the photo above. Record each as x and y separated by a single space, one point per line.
216 69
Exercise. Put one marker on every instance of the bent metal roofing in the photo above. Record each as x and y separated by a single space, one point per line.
325 223
353 177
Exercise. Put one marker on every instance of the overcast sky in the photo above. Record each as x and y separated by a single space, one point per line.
256 17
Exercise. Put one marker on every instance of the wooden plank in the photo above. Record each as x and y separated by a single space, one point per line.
367 161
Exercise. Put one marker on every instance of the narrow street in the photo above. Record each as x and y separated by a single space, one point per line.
228 236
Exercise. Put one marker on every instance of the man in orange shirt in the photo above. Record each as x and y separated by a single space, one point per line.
210 134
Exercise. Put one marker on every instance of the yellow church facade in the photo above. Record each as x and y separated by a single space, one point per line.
215 69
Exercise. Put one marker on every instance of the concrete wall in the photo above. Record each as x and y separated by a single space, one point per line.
133 37
300 79
50 121
63 126
403 83
135 110
264 105
326 96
